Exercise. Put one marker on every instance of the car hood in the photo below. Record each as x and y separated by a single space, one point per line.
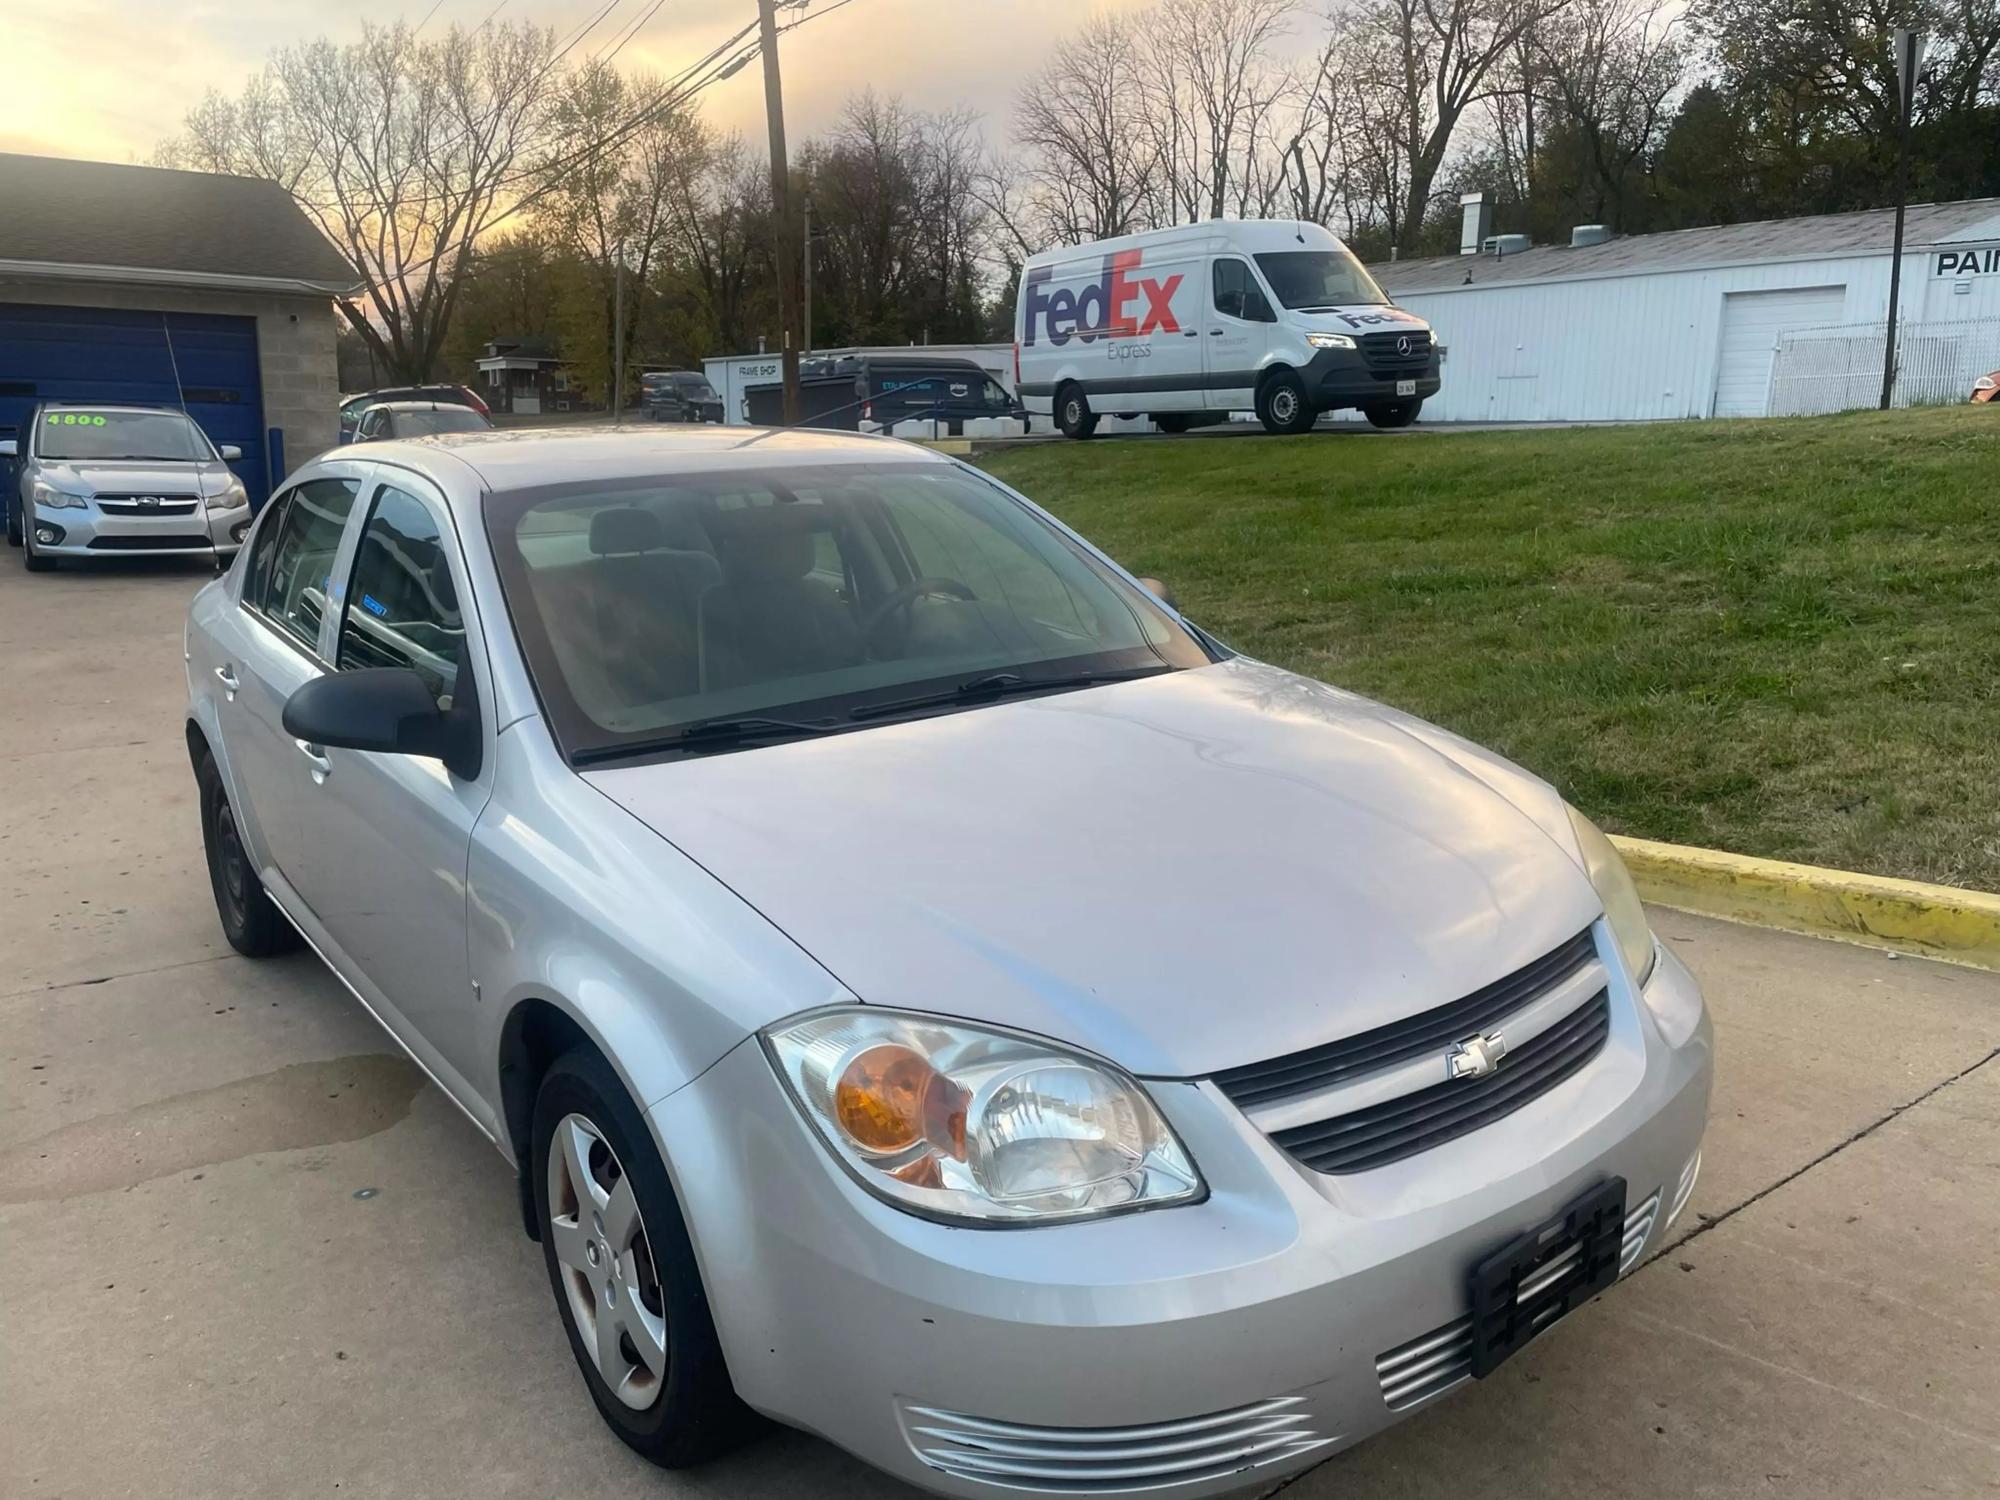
1184 873
134 477
1364 317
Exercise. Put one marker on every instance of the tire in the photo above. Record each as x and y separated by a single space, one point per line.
1173 421
254 926
1283 406
14 537
1400 414
33 561
585 1123
1073 413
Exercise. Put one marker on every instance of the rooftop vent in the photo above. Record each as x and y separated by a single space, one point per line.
1589 234
1498 245
1478 222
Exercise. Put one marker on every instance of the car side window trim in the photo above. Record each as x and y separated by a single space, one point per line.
272 516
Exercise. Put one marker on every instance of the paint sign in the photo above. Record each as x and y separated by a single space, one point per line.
1971 260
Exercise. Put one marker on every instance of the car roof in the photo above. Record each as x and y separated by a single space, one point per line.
151 406
416 406
518 458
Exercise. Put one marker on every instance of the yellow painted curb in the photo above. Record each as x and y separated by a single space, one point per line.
1908 916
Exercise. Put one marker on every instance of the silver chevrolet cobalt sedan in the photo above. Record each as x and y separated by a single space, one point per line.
932 993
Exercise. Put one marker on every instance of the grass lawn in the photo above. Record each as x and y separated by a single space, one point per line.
1780 638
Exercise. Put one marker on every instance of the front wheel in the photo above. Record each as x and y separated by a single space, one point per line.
623 1271
1073 413
14 524
1282 404
1401 414
32 560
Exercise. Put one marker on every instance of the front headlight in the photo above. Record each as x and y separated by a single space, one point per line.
1329 341
956 1122
1606 868
42 493
232 496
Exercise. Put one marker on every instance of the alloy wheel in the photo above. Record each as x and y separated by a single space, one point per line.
600 1242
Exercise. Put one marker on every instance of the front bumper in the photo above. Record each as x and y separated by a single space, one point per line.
1342 378
1124 1345
89 532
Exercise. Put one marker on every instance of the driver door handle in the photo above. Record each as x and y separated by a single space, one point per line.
227 677
316 759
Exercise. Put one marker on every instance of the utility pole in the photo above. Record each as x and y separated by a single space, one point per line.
781 201
1909 55
806 272
618 335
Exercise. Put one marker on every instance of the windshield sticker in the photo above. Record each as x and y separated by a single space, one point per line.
74 419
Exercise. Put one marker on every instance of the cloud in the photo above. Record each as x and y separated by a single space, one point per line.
109 79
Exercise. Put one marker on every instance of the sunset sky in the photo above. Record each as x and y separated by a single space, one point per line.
107 79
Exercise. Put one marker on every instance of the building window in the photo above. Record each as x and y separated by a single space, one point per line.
562 380
493 378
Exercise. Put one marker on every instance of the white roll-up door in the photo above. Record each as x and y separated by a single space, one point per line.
1751 323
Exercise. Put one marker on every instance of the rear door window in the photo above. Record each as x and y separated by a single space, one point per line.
291 589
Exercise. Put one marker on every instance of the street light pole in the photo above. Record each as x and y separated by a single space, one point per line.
1909 54
788 287
618 334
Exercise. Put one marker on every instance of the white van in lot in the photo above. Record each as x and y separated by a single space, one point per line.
1269 315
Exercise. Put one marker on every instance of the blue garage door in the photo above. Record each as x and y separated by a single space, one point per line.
109 354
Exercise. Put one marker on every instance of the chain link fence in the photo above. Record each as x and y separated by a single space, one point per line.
1818 370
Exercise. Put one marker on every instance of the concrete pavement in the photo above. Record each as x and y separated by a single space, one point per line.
245 1250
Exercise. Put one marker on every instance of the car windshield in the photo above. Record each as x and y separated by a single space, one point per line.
802 594
111 434
1320 278
444 419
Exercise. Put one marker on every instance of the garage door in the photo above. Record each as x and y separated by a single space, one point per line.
111 354
1751 323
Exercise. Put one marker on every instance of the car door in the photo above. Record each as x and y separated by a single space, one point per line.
391 833
268 648
1239 323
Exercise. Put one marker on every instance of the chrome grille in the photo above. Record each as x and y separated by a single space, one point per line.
1382 1133
1432 1031
1426 1366
1381 353
1110 1460
129 505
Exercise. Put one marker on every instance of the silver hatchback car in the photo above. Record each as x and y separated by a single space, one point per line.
931 992
96 480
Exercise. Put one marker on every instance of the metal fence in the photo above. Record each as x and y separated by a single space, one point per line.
1817 370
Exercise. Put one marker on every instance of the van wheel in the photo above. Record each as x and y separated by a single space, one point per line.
1173 421
1073 413
1282 404
1401 414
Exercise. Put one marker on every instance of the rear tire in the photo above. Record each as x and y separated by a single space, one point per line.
14 523
1400 414
1073 413
255 928
587 1127
1283 406
1173 421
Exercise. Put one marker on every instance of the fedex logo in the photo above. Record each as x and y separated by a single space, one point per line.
1117 306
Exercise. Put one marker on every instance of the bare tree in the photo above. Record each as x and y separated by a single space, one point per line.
403 151
1610 67
1091 164
1434 60
1210 92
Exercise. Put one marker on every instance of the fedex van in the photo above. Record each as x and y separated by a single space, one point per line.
1188 324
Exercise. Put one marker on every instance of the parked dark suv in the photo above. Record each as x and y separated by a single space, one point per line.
873 392
679 396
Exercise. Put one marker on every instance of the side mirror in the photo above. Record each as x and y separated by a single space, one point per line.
9 448
388 710
231 453
1160 592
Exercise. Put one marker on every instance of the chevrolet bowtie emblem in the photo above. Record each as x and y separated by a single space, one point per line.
1475 1057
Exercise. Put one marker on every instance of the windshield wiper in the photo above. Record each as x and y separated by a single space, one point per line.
709 733
999 685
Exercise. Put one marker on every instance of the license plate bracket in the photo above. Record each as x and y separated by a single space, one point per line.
1406 388
1539 1278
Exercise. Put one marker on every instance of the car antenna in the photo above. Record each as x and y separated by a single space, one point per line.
173 360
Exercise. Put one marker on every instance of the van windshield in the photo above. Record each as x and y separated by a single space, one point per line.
1306 280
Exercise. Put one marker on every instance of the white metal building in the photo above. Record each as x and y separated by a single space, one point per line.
1773 318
